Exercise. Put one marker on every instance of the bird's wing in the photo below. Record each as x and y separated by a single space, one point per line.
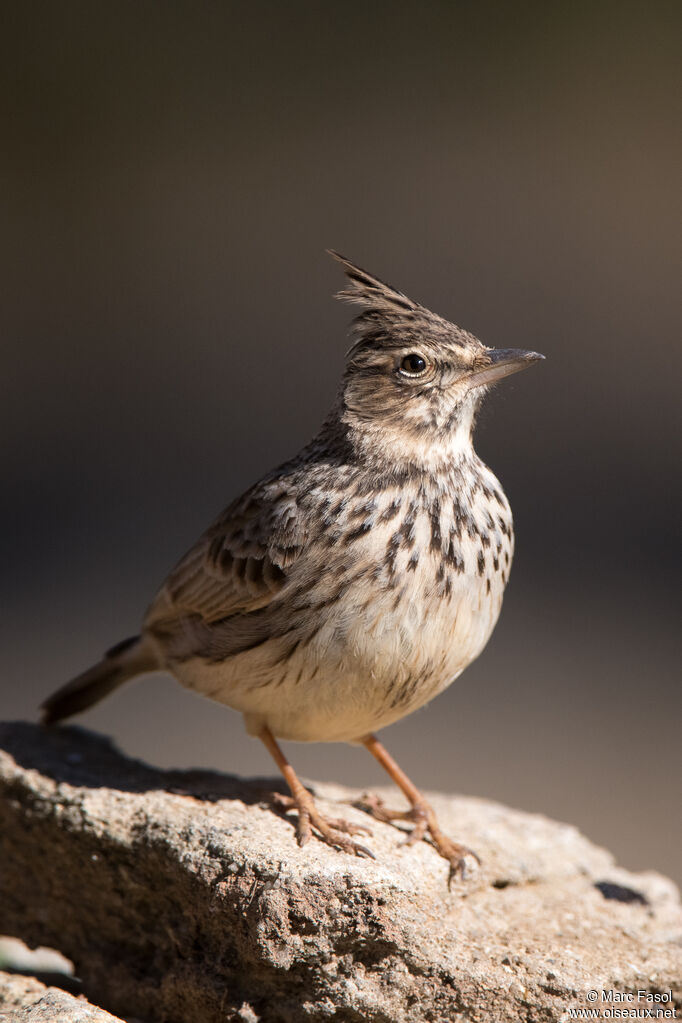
239 564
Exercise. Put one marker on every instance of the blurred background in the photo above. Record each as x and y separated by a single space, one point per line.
171 175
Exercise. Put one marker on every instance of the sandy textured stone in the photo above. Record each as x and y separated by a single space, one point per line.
26 1000
182 896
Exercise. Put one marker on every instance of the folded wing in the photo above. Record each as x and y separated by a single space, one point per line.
212 603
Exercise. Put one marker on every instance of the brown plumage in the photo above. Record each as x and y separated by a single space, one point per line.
356 581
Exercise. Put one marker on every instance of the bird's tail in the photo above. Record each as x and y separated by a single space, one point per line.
124 661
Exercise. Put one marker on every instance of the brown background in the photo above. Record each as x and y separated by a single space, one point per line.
171 174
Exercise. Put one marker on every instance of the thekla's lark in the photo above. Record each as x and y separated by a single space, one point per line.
356 581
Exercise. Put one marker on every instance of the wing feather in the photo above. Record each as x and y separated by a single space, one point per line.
239 565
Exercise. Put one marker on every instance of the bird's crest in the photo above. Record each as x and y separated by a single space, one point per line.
367 290
389 318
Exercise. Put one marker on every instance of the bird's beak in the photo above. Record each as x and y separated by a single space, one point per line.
500 362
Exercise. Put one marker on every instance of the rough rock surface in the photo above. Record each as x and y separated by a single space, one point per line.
26 1000
182 896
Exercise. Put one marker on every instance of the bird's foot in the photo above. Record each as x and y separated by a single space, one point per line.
422 815
331 830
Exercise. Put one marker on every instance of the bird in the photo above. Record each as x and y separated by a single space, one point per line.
353 583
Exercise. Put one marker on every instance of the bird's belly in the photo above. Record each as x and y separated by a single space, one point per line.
400 657
373 627
365 664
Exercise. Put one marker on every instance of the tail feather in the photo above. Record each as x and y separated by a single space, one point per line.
126 660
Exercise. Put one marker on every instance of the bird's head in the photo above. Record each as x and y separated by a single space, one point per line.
414 381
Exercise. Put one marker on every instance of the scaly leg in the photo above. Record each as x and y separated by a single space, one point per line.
309 817
421 812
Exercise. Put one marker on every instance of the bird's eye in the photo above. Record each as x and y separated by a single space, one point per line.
413 364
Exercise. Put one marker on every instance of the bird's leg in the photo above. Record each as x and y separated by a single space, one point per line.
421 813
334 832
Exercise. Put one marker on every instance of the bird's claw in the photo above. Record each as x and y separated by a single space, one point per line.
334 831
457 855
425 824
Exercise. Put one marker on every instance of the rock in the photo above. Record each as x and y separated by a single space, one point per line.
26 1000
182 896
